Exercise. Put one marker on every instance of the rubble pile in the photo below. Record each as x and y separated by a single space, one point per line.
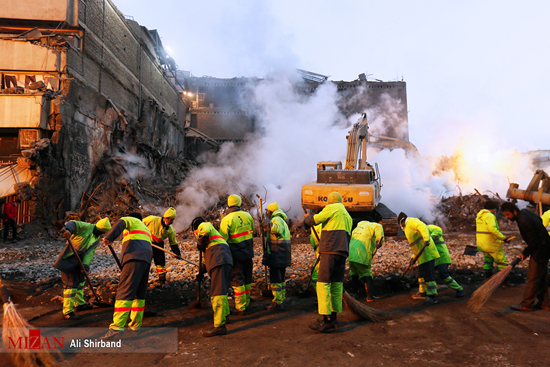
33 262
460 211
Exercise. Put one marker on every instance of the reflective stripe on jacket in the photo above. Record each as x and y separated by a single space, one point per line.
217 251
158 232
417 234
136 240
488 236
436 233
237 228
336 231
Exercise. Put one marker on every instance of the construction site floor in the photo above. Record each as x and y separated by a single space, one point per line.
445 334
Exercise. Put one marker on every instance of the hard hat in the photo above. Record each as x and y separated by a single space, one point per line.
103 225
233 200
401 218
273 206
334 197
196 223
170 213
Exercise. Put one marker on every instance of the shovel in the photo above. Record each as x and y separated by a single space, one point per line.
470 250
98 302
266 292
197 303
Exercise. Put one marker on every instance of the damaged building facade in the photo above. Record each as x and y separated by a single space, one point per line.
220 109
84 91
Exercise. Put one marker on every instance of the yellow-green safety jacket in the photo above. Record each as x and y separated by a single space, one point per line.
158 232
362 244
237 228
278 242
488 236
217 251
136 239
85 239
546 220
417 234
436 233
336 232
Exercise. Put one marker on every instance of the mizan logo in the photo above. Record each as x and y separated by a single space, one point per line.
35 341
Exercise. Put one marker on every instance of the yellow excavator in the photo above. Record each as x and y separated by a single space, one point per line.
359 183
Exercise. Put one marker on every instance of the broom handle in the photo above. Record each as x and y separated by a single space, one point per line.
263 238
414 260
82 268
312 270
173 254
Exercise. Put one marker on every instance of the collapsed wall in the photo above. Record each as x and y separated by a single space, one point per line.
105 103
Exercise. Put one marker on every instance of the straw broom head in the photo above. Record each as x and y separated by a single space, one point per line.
365 312
483 293
15 326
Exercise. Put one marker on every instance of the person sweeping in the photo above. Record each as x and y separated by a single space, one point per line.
365 238
424 250
536 237
442 263
85 238
333 249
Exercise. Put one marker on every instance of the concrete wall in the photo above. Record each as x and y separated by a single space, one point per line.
43 10
22 55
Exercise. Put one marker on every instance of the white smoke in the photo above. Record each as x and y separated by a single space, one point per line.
295 132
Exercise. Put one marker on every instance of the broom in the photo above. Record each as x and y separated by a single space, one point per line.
14 326
365 312
483 293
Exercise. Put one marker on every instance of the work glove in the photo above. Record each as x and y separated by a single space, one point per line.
265 226
413 259
378 244
176 250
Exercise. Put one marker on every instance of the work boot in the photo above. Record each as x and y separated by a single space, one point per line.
460 293
221 330
355 286
112 334
368 287
162 280
71 316
336 322
520 307
275 306
487 273
419 295
430 300
86 306
324 326
135 332
236 312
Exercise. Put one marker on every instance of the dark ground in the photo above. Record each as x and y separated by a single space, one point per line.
443 334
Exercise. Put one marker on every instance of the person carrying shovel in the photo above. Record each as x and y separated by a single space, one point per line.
85 237
424 250
161 228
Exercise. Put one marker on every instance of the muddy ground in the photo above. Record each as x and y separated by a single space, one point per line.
443 334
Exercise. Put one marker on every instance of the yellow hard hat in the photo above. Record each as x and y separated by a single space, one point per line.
170 213
103 225
273 206
334 197
233 200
